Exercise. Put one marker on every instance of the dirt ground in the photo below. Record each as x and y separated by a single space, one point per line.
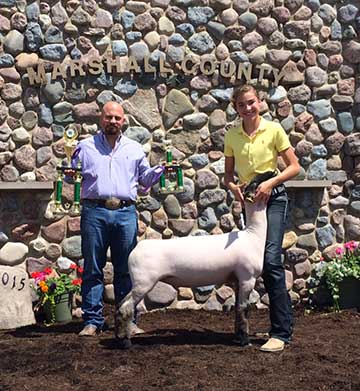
185 350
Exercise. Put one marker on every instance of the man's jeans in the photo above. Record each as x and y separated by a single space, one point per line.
281 315
102 228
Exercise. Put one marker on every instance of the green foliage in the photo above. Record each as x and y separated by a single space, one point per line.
332 273
50 284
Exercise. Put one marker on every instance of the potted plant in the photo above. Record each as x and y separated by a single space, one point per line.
340 276
55 291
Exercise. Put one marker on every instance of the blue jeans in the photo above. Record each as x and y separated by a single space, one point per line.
281 315
102 228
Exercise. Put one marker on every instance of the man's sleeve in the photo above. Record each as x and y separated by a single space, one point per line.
148 176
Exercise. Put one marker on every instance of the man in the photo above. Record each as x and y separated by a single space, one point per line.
113 166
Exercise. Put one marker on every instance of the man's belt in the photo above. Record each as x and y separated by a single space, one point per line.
110 203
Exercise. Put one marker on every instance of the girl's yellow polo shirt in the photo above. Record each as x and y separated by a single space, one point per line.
257 154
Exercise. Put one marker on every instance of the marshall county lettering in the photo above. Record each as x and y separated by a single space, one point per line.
122 65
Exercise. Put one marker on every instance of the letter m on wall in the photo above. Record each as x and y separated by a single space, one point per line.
38 77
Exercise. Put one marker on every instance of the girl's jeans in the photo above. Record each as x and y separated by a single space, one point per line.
102 228
281 315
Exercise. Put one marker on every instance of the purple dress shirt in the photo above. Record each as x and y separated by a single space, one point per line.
114 172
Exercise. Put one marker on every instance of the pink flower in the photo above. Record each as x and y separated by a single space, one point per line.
348 246
353 245
38 276
339 251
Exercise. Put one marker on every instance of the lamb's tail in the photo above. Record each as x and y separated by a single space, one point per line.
124 314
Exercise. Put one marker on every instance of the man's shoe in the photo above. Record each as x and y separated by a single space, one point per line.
89 331
135 330
273 345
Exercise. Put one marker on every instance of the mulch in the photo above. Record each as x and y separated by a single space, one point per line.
185 351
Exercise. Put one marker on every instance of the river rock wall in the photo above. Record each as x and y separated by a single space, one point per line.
302 55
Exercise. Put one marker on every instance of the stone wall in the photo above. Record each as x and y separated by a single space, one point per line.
304 57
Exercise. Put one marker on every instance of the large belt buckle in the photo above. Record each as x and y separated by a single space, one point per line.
112 203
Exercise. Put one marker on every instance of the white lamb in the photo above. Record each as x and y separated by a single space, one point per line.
197 261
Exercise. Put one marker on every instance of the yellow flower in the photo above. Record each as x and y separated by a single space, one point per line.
44 288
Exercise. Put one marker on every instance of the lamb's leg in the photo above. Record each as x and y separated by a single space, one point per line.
124 312
243 291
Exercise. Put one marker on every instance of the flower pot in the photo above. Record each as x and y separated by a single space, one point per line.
61 312
349 293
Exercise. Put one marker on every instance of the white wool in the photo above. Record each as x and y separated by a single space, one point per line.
196 261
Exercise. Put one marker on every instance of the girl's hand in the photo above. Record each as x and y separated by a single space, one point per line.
263 192
237 191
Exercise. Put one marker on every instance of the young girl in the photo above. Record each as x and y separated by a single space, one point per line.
253 147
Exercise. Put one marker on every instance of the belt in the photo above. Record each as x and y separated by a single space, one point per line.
110 203
278 189
274 192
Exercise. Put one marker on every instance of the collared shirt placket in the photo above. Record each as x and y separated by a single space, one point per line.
110 173
111 156
250 152
249 145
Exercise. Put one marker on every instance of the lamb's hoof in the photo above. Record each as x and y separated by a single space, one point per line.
244 343
123 343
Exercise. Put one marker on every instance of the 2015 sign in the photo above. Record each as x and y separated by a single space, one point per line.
12 282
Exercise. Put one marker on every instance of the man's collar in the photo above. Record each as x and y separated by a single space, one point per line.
119 140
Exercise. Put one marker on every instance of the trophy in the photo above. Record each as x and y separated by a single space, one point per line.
70 142
171 180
